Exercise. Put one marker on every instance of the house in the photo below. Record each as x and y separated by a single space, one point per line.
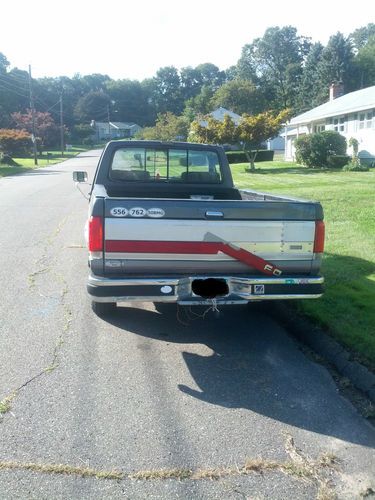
219 113
352 115
104 131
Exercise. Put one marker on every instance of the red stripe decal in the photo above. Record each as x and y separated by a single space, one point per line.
192 247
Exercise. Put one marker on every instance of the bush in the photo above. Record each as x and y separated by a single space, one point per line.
15 142
337 161
240 156
355 166
313 150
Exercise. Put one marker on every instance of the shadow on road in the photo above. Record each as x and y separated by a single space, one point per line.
254 365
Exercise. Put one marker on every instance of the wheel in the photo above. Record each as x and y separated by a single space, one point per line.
102 309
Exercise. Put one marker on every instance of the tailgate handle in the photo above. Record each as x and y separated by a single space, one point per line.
215 213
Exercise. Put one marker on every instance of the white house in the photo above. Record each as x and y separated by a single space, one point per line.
104 131
219 114
352 115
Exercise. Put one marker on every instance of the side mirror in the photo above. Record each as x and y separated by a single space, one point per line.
80 176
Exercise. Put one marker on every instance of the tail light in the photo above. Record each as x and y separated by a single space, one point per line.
319 237
95 234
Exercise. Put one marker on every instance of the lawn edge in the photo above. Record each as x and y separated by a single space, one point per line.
324 345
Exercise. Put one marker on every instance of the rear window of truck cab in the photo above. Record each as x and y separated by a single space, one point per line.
165 165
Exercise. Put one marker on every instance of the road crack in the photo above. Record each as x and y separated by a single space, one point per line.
44 268
299 467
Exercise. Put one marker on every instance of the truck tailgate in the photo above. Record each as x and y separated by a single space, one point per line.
180 237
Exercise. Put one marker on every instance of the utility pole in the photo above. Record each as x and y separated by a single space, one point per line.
61 126
32 107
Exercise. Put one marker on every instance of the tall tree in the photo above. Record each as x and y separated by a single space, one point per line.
240 96
191 82
312 91
4 63
93 106
200 104
166 94
365 63
211 75
337 63
130 102
361 36
276 60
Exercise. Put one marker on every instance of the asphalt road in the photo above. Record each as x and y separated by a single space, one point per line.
224 406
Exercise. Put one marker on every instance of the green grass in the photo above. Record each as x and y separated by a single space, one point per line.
24 164
347 309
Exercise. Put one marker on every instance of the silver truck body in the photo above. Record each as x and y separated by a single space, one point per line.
193 250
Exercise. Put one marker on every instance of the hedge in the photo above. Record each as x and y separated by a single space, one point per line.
240 156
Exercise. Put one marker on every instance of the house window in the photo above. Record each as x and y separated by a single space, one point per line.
362 117
339 124
369 117
319 128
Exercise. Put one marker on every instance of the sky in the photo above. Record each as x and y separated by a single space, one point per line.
133 39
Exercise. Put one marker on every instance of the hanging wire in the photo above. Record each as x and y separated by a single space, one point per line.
193 316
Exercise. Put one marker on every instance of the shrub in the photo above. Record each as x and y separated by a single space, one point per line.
313 150
240 156
337 161
15 142
355 166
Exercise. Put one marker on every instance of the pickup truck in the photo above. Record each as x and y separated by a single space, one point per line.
166 224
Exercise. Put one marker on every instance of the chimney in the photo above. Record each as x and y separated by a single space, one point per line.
336 90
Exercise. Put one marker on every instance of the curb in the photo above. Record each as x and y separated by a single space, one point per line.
328 348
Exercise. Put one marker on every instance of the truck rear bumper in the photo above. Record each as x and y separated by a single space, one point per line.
231 289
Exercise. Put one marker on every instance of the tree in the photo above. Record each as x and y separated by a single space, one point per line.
14 92
191 82
211 75
365 63
130 102
15 142
4 64
276 59
361 36
46 130
92 106
253 130
200 104
337 64
206 134
166 92
312 92
168 127
240 96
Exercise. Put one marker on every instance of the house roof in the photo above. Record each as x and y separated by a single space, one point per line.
353 102
219 113
118 125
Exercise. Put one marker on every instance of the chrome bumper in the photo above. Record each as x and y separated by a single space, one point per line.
241 289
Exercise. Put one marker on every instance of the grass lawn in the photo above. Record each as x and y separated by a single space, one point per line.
43 161
347 309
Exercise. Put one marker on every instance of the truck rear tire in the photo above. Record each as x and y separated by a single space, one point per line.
103 309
